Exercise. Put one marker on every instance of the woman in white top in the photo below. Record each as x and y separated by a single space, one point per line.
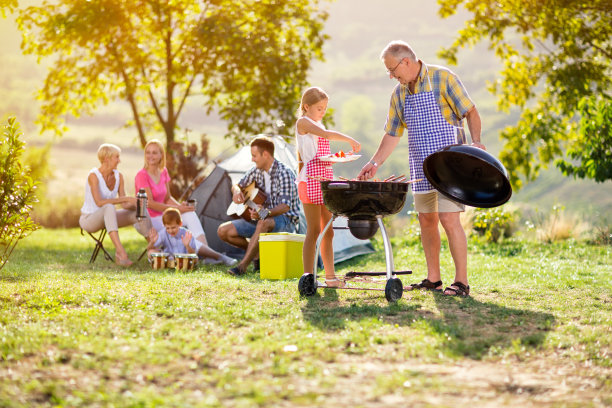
105 189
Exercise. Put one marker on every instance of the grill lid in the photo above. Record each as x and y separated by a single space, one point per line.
468 175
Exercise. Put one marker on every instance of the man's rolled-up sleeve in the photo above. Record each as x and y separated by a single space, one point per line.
395 125
287 190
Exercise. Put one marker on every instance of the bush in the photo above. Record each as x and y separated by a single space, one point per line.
185 162
17 192
494 223
602 235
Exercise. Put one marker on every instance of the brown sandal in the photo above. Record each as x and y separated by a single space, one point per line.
425 284
457 289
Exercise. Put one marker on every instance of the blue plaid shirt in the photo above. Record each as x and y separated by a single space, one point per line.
283 189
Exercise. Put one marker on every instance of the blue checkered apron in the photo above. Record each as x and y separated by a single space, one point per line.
428 131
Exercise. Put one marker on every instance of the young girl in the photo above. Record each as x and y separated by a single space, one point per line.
313 142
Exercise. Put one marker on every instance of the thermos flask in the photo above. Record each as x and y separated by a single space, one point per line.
141 204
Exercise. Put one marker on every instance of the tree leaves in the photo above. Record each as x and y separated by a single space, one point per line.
248 58
555 54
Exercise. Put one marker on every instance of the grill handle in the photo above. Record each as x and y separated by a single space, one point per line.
338 186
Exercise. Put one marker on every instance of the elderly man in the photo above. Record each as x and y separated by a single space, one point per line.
280 212
430 102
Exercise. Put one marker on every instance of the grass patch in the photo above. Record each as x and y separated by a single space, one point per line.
76 334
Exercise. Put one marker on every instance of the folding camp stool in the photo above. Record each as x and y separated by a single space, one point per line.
99 245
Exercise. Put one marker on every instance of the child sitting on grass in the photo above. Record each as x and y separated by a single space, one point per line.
176 239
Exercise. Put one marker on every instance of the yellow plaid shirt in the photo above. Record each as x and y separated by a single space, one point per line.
450 93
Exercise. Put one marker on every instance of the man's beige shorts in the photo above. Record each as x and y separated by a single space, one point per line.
435 202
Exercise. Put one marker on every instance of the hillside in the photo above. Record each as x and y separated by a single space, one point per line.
353 76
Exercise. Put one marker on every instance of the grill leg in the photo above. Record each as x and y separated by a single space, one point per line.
318 247
388 249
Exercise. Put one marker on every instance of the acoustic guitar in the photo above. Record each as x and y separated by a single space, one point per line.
254 199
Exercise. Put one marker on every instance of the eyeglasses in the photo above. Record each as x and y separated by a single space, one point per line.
392 71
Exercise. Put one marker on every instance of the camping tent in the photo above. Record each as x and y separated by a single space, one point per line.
214 195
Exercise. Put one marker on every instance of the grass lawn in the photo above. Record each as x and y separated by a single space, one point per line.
537 332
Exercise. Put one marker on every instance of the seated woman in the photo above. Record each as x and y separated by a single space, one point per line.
154 178
105 189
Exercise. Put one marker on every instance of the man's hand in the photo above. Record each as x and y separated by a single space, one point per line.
264 213
479 145
260 214
368 171
238 197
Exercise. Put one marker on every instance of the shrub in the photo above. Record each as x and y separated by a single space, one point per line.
494 223
602 235
185 162
17 191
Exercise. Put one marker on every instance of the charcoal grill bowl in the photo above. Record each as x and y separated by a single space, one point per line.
362 201
363 229
468 175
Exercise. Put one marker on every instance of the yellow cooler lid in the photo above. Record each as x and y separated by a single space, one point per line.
281 237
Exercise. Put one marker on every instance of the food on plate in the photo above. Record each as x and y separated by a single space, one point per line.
340 157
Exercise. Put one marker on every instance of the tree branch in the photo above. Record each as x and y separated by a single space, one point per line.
129 93
185 95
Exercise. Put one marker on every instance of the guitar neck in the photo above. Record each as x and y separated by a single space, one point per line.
252 205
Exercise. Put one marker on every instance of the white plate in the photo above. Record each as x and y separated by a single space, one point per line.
334 159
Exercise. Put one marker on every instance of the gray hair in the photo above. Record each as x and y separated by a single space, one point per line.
399 50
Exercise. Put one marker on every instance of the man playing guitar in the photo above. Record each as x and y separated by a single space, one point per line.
280 211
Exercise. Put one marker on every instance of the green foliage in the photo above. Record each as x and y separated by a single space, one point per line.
593 147
247 58
16 191
494 223
554 54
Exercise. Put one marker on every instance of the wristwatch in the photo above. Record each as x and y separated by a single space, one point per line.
373 163
265 213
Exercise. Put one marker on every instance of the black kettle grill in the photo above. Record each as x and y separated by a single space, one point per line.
364 203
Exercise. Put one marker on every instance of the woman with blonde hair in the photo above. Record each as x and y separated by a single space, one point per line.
155 179
104 189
